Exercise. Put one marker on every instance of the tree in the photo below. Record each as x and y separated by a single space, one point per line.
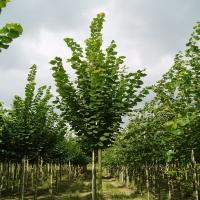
9 31
165 132
33 132
102 93
28 126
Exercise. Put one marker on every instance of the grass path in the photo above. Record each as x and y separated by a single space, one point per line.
112 190
80 189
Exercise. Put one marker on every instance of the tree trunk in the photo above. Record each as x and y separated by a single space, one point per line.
147 182
93 176
69 167
27 174
100 172
195 174
13 177
127 177
60 174
41 169
23 177
169 183
2 177
36 178
57 178
51 181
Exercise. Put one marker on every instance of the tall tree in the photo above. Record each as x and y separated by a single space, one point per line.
103 91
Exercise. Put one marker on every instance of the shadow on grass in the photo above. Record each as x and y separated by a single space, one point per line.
70 197
80 189
71 189
74 188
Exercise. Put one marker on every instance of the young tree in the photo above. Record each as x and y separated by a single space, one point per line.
102 93
29 129
165 132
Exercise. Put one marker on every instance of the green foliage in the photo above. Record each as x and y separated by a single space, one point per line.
33 128
69 149
103 91
9 31
19 126
167 128
3 3
2 120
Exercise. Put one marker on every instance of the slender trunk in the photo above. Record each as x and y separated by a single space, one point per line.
122 175
93 176
48 169
127 177
41 169
57 178
154 180
27 173
180 188
2 177
169 183
51 181
23 171
32 177
19 177
60 173
147 182
69 165
158 181
195 174
36 178
13 177
7 175
99 172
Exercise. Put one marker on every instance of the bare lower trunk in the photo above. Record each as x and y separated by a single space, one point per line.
36 178
2 177
60 174
93 176
147 181
127 177
51 181
69 167
23 171
195 180
169 183
99 172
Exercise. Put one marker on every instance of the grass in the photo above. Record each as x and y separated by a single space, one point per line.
80 189
113 190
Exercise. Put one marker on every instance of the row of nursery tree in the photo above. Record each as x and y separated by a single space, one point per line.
32 128
93 105
36 143
35 138
159 149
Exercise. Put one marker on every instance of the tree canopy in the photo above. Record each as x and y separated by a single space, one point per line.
103 91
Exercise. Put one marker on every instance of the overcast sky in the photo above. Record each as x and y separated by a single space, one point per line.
148 32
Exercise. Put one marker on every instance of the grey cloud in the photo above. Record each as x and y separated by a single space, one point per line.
164 23
148 32
14 57
55 15
153 30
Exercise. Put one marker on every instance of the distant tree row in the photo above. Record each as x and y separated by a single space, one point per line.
165 133
32 128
